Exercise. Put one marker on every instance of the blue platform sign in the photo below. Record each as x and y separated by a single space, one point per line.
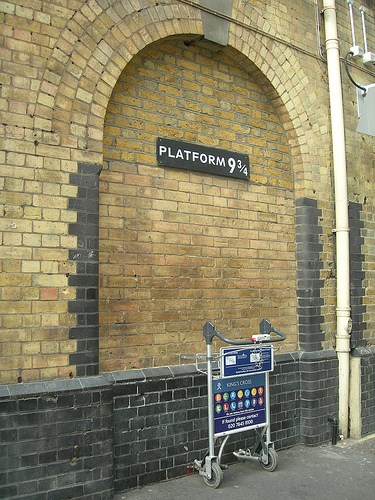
239 403
242 360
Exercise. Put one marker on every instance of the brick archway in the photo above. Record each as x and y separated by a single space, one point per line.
95 47
88 60
179 247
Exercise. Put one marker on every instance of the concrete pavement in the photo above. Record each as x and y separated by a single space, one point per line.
345 471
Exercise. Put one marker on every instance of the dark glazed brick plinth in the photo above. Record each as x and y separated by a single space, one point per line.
86 279
309 282
87 437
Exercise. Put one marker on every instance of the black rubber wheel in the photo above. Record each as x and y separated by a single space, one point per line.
272 461
216 476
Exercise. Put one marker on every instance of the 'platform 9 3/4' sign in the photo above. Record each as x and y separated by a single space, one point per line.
178 154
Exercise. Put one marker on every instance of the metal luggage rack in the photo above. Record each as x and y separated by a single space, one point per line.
200 361
238 398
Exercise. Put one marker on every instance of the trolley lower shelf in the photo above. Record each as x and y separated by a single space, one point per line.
211 468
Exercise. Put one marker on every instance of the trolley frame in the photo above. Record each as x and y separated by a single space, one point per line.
263 450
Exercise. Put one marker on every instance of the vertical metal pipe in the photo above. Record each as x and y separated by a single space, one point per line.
268 411
341 212
350 3
362 11
211 448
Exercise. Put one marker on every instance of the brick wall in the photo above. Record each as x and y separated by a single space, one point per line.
87 437
357 275
91 436
85 279
56 439
367 392
75 80
161 427
72 76
309 282
285 401
368 252
180 247
319 395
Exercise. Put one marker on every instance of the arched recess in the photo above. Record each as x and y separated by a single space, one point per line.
180 247
97 45
87 60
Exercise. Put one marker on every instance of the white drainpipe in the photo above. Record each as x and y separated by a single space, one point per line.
341 212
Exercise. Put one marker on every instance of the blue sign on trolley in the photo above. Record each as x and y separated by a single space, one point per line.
239 403
254 359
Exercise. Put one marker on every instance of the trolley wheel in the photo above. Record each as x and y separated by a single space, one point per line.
216 476
272 460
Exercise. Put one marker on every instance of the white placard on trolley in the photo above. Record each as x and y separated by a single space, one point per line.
244 360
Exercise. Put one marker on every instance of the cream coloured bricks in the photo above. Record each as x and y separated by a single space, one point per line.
62 91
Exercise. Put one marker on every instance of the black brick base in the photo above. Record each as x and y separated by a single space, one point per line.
56 440
319 395
367 355
88 437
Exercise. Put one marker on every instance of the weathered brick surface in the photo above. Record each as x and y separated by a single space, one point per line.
309 282
179 247
93 435
56 440
367 390
80 80
319 395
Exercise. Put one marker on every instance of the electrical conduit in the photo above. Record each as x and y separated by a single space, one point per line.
341 212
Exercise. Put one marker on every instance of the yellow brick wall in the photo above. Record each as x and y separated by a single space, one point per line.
60 62
34 322
180 247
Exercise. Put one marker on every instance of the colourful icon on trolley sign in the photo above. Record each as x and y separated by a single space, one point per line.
239 403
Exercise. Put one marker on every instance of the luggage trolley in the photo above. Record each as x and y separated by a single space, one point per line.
238 400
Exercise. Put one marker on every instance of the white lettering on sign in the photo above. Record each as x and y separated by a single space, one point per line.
179 154
186 154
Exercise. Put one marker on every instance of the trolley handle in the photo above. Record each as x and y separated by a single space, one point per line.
265 328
